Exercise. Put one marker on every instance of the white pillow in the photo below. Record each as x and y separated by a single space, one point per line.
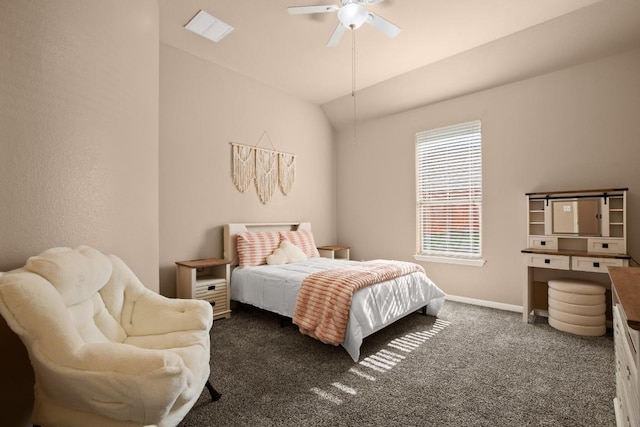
287 252
277 257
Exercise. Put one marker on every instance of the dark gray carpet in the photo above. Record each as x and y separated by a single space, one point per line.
472 366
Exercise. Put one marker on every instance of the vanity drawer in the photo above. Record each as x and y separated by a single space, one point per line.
598 265
543 242
558 262
605 246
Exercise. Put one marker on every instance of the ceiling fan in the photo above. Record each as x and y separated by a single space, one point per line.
352 14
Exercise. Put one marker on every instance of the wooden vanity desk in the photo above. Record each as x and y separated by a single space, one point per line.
572 235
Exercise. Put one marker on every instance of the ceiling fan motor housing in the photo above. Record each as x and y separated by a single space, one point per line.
353 15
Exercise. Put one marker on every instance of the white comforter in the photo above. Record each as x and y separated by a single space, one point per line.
275 288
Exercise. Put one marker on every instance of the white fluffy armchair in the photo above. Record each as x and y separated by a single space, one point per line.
105 350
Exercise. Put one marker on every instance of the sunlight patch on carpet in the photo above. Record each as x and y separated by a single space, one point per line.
362 374
382 361
344 388
326 395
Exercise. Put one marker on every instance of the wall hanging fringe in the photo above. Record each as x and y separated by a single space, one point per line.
244 166
265 167
286 171
266 174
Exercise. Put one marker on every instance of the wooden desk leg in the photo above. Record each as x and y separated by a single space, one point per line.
527 304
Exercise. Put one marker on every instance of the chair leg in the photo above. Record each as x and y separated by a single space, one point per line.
212 391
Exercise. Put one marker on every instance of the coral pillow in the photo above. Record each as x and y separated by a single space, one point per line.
304 240
255 247
285 253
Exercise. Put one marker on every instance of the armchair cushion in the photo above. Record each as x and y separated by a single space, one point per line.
76 274
105 349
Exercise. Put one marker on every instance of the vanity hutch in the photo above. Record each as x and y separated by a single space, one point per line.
572 234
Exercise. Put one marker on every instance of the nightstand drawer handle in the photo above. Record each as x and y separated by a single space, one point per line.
547 261
596 265
211 288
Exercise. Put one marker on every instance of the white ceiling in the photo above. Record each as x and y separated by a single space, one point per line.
503 39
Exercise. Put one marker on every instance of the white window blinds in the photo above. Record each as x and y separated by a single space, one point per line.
449 190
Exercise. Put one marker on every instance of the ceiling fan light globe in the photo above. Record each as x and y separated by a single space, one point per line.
352 15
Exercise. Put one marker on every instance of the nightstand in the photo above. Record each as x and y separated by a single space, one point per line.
205 279
334 251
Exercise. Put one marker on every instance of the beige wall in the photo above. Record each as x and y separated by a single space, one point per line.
203 107
573 129
78 144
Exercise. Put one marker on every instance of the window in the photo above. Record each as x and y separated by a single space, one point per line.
449 194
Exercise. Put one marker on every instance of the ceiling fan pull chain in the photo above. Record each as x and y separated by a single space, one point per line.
353 81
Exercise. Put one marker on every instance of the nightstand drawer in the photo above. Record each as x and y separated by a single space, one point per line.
559 262
219 304
210 289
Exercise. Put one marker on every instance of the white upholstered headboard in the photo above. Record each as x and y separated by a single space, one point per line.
231 230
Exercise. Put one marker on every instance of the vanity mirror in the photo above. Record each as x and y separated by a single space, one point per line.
581 217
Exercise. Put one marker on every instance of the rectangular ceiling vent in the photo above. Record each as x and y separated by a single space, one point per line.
208 26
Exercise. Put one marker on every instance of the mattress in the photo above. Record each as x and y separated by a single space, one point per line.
275 288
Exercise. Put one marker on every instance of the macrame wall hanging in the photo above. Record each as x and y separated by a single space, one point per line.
266 168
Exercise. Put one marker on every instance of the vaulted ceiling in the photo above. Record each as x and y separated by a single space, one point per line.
445 49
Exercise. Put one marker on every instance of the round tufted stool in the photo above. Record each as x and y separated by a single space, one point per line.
577 306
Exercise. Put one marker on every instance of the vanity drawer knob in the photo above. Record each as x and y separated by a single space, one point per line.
547 261
543 243
596 265
605 246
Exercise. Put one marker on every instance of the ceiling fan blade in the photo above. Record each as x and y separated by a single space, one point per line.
383 25
336 36
301 10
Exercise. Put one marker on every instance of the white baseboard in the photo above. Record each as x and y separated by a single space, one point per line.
501 306
484 303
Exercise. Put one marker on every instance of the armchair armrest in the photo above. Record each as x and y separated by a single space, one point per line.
141 311
153 314
139 384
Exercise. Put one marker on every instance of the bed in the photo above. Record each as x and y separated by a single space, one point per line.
276 287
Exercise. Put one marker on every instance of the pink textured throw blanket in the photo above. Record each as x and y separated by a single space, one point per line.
324 301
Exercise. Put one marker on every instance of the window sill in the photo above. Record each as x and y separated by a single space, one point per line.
475 262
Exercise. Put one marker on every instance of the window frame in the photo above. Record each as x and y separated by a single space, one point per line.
466 136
